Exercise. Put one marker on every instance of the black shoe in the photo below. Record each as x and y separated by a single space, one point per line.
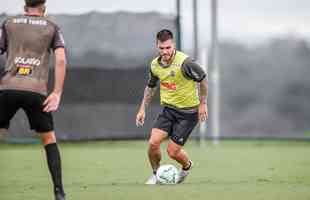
60 196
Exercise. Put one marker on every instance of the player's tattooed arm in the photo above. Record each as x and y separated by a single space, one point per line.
203 91
203 94
149 92
148 96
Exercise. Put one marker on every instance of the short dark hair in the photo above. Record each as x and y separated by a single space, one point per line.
34 3
164 35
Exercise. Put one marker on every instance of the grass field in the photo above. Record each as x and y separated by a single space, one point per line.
242 170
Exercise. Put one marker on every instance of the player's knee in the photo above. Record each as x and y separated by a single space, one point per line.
154 145
48 138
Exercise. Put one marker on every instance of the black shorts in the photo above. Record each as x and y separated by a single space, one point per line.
178 125
32 103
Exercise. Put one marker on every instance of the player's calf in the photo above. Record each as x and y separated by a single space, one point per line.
54 163
176 152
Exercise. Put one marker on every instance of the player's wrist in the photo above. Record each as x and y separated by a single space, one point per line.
57 92
203 102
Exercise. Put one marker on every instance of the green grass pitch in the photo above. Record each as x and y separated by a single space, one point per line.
242 170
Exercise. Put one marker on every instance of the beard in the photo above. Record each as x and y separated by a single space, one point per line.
167 57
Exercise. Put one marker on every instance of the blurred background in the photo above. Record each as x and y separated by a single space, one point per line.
256 54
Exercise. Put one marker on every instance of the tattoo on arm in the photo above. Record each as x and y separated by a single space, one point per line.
203 91
148 95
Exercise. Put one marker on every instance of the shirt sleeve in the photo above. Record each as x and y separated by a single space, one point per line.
3 39
152 82
58 40
193 71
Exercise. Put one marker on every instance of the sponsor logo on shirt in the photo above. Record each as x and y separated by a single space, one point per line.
169 86
27 61
25 65
24 69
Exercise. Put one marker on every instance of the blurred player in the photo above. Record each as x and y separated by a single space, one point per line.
28 41
183 92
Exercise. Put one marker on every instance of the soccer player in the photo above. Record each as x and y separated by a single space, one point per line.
183 92
28 40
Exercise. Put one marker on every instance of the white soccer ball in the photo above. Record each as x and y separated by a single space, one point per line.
167 174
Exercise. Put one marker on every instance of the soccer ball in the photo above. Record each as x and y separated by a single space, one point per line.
167 174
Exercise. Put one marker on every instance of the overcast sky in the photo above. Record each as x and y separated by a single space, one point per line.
242 20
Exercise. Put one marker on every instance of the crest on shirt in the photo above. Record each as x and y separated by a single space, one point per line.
172 73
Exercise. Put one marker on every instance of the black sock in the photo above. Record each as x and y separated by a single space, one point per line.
54 165
189 166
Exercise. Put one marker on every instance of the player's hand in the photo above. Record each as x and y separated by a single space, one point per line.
51 103
140 118
203 112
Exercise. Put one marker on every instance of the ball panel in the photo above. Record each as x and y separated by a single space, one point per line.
167 174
